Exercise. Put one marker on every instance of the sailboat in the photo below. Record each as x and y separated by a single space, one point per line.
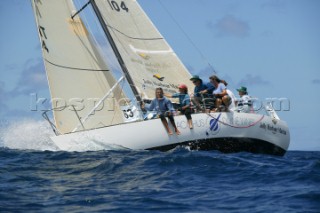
96 96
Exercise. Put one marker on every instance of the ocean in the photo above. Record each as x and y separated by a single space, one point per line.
34 177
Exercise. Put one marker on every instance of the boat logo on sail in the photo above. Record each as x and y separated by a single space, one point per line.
144 56
159 77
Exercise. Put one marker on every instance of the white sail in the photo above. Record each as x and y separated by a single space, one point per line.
151 62
78 77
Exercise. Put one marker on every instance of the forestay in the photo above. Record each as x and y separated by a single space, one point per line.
78 77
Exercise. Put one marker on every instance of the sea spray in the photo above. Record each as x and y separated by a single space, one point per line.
27 134
35 135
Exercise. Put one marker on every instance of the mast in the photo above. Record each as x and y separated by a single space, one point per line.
116 51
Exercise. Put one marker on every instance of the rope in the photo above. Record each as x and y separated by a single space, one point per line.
186 35
241 127
79 11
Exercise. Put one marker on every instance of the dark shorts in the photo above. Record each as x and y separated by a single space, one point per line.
166 114
187 112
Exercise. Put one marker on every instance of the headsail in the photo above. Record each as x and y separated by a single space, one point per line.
78 77
150 60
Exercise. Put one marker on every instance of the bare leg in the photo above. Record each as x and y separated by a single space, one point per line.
165 124
190 124
175 128
226 101
218 104
174 125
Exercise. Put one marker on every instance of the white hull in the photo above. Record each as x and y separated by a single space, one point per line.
232 132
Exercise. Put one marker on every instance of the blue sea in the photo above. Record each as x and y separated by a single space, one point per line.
34 177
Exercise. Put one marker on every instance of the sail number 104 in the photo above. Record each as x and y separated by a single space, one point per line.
118 7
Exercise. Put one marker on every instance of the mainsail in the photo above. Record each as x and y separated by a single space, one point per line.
151 62
77 73
78 77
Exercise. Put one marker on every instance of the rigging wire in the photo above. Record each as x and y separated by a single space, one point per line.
82 8
186 35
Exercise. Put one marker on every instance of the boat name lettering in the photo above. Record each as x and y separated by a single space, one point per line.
238 121
156 65
273 129
159 84
199 122
151 66
182 124
196 123
137 61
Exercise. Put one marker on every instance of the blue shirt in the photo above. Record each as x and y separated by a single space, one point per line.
203 86
160 105
184 99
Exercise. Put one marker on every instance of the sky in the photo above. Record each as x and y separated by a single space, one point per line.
270 46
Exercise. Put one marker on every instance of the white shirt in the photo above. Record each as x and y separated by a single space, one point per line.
219 89
245 104
232 105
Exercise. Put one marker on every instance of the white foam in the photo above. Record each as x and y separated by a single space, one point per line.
35 135
27 134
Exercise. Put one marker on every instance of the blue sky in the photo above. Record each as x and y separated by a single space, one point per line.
270 46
